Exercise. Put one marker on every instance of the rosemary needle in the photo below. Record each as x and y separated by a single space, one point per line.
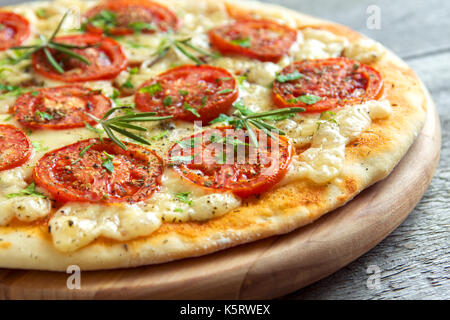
182 46
120 124
47 44
245 118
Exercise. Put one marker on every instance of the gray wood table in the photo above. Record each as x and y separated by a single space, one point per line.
414 260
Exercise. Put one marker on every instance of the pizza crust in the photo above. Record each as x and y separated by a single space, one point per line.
369 158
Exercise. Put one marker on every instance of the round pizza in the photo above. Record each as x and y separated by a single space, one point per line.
137 132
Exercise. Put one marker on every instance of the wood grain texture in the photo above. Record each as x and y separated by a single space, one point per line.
264 269
414 259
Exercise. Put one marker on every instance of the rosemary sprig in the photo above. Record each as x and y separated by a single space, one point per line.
50 43
122 124
245 118
184 46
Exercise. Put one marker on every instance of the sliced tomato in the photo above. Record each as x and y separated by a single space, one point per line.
14 29
258 39
60 107
107 59
92 171
326 84
122 17
190 93
15 147
224 159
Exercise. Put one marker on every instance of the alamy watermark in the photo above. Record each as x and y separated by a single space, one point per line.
74 280
374 280
373 21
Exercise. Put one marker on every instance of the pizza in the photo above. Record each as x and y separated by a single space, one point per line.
137 132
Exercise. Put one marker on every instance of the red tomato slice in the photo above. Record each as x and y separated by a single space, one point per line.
258 39
14 29
190 93
334 82
107 60
225 160
15 147
60 107
92 171
126 16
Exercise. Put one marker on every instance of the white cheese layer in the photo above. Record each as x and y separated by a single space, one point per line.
76 225
318 44
324 159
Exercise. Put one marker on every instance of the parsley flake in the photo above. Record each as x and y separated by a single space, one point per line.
242 42
152 89
289 77
191 109
28 191
307 99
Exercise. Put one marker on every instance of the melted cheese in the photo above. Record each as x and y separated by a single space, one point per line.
365 50
324 160
76 224
25 209
318 44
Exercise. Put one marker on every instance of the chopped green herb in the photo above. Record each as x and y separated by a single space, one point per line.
223 118
98 131
42 13
28 191
204 100
225 91
127 84
327 113
191 109
167 101
242 42
289 77
307 98
328 116
183 92
115 94
184 197
85 149
108 162
139 26
241 79
152 89
136 45
105 20
134 70
12 90
44 115
160 136
37 145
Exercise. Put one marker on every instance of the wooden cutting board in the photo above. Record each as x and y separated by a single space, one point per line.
268 268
